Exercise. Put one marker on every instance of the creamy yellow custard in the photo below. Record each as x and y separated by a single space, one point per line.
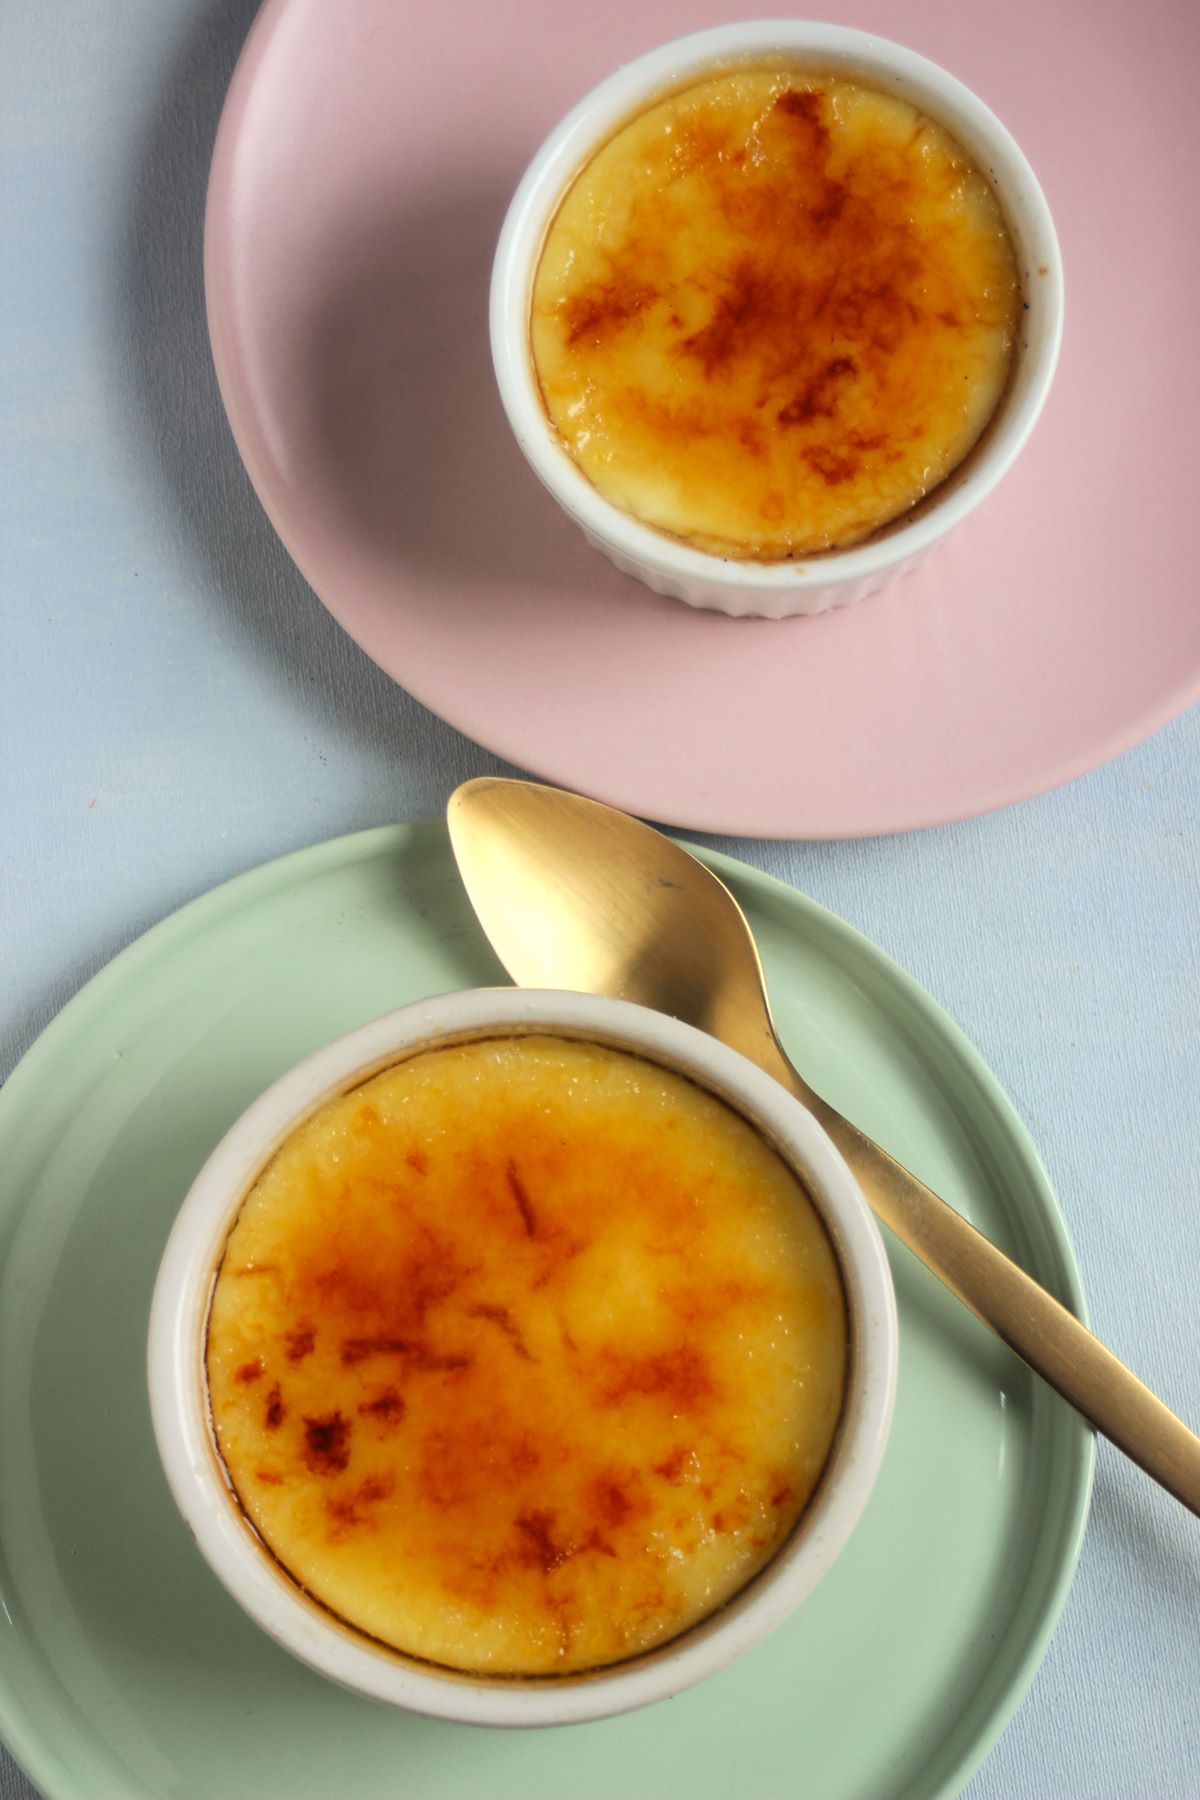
774 312
526 1355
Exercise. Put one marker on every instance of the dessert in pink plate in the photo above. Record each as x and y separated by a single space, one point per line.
774 309
352 221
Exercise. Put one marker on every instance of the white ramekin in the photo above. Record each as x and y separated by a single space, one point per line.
776 590
179 1404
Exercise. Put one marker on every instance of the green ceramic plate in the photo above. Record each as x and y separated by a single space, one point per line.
126 1670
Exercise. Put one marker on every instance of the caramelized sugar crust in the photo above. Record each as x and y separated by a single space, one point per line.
774 312
525 1355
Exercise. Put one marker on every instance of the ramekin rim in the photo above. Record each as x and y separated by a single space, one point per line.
187 1452
562 152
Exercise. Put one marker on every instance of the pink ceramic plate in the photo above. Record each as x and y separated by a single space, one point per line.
364 162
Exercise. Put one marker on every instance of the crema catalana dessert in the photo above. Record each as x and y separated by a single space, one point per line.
525 1355
774 312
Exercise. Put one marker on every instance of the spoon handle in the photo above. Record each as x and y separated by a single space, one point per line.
1029 1320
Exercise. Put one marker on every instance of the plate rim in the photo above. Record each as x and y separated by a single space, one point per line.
29 1747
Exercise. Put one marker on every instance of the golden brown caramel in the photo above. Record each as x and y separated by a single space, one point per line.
525 1355
774 312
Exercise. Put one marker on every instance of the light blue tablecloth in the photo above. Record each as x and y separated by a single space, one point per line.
176 707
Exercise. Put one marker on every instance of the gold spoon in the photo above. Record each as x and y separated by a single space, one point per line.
573 894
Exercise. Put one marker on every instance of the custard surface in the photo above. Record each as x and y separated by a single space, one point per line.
773 313
525 1355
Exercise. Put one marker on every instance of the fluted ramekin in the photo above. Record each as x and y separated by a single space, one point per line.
835 578
179 1399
